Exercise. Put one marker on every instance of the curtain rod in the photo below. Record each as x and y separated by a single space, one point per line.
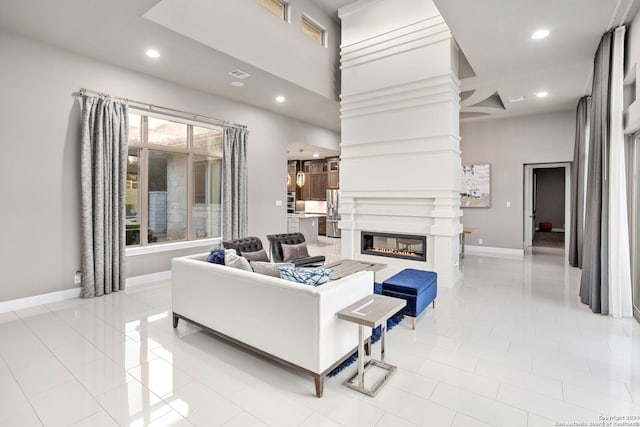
157 108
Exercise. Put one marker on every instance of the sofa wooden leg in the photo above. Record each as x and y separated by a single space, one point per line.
319 385
175 321
367 347
433 304
413 323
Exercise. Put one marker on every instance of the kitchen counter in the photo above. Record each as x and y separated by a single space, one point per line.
305 215
305 223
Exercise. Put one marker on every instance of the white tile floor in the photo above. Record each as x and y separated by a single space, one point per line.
511 347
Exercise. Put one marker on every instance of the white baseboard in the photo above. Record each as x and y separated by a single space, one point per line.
26 302
148 278
51 297
495 252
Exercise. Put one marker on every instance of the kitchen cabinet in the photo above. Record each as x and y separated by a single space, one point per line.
305 190
322 226
318 184
333 180
333 173
315 182
291 172
319 167
293 225
307 225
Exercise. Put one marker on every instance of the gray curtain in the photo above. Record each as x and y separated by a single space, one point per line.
594 284
103 168
577 183
234 184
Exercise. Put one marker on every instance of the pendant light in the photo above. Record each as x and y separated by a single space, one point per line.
300 175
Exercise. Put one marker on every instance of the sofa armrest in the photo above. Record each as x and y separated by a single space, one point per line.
336 336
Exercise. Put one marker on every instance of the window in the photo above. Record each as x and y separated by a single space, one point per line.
174 180
312 30
277 7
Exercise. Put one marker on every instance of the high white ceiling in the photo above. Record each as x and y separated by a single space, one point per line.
116 32
493 34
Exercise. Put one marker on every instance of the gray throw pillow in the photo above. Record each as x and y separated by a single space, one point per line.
236 261
260 255
269 268
290 252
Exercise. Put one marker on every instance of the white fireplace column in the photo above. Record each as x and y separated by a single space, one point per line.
401 169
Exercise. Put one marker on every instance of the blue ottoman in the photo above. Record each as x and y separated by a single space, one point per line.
418 287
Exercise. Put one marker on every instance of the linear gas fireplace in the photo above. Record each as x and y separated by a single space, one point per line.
394 245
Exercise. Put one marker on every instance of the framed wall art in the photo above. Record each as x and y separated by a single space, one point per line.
476 186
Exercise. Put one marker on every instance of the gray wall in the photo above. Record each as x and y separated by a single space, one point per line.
39 171
508 144
550 196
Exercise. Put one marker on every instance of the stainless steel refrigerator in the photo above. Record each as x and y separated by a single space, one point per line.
333 216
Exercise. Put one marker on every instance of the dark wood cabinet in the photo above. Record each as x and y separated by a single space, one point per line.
333 180
318 188
318 167
322 226
319 175
291 176
305 190
333 173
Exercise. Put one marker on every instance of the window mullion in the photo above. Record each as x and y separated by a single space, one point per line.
190 183
144 184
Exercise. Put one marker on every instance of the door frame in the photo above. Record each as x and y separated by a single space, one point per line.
529 192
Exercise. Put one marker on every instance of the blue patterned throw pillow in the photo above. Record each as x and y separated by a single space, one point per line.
216 256
306 276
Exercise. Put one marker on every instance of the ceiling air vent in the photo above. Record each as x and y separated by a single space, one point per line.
239 74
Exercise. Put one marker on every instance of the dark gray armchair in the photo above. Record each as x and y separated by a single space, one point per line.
244 245
275 248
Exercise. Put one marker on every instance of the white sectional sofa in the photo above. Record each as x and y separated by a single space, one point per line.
291 323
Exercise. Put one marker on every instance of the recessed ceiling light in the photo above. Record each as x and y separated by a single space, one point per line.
540 34
237 84
316 155
542 94
516 98
152 53
280 99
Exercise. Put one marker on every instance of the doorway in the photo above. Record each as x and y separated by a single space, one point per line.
547 208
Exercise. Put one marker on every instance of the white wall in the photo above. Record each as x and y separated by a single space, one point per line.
508 144
39 165
279 47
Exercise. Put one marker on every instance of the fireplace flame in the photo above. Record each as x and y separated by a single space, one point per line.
394 252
